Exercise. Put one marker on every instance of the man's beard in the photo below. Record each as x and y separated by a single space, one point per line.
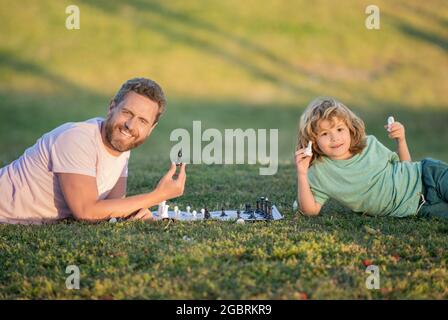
118 144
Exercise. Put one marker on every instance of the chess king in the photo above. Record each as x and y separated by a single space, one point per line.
80 169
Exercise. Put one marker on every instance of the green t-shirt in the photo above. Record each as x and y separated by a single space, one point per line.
374 181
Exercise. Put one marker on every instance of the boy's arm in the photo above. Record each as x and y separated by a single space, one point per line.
80 193
307 203
403 151
397 132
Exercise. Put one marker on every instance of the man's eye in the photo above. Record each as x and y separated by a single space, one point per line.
143 121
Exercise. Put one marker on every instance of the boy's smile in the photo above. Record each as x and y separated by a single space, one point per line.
334 139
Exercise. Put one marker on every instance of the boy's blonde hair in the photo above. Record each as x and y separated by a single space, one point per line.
325 108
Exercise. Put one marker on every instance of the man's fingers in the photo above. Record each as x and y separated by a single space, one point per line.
182 174
172 170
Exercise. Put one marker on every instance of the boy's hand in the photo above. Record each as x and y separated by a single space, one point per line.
302 161
396 131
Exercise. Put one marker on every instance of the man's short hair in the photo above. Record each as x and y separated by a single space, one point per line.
144 87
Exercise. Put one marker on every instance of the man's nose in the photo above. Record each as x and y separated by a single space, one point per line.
130 125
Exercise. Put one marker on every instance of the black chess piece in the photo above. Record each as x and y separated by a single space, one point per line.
223 213
206 214
269 210
179 158
258 210
238 214
262 205
248 208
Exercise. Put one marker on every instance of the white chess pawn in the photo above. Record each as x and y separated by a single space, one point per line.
240 221
203 212
390 120
309 149
161 208
165 212
176 210
295 205
188 209
194 214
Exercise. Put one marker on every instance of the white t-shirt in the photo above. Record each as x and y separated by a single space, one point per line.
29 188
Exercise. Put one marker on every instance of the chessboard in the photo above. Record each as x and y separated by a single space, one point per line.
264 211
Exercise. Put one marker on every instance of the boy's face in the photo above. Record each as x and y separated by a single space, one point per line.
334 139
130 122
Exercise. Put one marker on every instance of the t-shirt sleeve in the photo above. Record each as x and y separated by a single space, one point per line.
124 172
74 151
383 150
320 196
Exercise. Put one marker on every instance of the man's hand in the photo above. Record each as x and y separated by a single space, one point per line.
302 162
396 131
169 187
143 214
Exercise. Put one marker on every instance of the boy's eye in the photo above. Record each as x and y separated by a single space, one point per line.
323 134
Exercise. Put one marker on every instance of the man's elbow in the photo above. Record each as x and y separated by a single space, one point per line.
84 215
310 212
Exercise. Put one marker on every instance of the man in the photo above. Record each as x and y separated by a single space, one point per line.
80 169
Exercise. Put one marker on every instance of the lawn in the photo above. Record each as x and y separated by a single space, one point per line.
230 65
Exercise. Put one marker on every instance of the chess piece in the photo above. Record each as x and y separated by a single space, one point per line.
160 209
176 211
258 207
194 214
165 212
309 149
262 200
390 121
223 213
206 214
179 158
238 214
188 209
203 212
268 210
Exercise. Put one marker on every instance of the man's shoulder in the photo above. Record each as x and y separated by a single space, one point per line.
79 130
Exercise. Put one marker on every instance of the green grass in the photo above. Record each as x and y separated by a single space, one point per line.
231 65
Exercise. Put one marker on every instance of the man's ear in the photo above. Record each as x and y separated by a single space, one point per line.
152 128
112 105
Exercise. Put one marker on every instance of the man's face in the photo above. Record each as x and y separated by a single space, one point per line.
129 123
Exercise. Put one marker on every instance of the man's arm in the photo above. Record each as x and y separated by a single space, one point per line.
80 193
119 190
